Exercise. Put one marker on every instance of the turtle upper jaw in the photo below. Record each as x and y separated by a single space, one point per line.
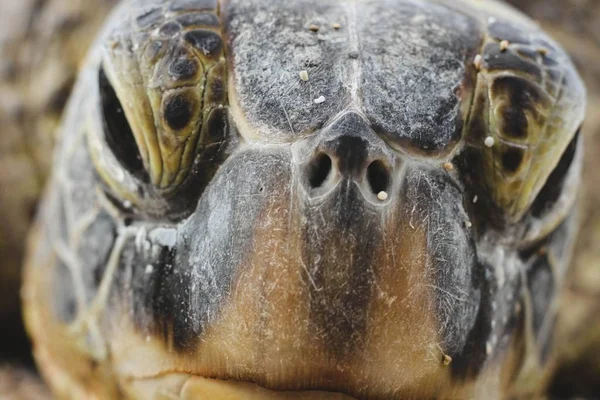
294 286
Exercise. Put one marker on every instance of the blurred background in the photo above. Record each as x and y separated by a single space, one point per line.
41 45
576 25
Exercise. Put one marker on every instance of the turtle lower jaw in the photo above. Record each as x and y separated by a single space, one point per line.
185 386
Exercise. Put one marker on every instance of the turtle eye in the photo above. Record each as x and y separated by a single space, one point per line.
118 134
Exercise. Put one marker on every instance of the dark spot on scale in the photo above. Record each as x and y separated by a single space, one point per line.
149 19
523 96
515 121
170 29
183 5
511 159
183 67
198 19
353 55
177 111
496 59
214 127
208 42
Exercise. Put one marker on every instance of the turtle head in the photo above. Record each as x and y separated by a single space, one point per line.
347 210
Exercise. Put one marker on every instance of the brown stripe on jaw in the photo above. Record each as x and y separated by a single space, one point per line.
270 332
263 334
401 353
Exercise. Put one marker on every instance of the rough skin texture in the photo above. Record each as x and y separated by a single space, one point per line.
278 276
575 30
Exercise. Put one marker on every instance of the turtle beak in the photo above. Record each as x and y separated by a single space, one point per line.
335 263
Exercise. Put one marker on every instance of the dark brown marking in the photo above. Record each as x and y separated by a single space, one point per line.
214 127
511 159
496 59
523 97
207 42
177 111
215 92
183 67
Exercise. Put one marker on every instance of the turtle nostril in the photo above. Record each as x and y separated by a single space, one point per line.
378 177
319 170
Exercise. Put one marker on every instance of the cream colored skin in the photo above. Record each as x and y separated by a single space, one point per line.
101 352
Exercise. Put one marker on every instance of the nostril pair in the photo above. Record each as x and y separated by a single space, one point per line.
378 174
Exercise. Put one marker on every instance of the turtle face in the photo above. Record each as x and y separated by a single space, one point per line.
404 237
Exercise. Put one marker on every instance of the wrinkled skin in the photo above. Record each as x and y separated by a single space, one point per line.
418 274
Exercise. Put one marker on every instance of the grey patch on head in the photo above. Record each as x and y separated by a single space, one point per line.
219 236
186 5
166 237
503 30
269 45
80 187
457 281
193 264
94 247
412 75
542 288
64 298
150 19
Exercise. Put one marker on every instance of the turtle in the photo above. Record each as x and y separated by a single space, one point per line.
333 199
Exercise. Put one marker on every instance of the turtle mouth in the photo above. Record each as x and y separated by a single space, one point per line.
186 386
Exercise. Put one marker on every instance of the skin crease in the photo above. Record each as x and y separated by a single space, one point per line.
268 275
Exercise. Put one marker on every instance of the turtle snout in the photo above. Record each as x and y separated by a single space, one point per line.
349 159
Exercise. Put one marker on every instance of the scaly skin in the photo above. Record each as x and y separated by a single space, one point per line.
141 280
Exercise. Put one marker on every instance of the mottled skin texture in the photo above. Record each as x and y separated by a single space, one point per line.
206 219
